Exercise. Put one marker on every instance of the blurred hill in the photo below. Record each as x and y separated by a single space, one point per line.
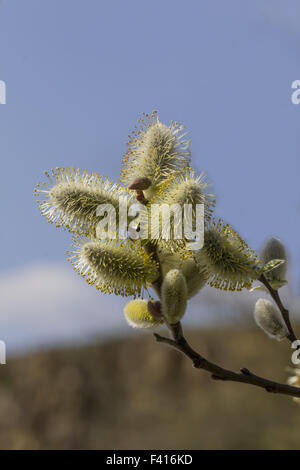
136 394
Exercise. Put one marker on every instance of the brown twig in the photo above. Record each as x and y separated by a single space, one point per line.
179 342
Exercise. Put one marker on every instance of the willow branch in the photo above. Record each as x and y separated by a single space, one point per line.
179 342
217 372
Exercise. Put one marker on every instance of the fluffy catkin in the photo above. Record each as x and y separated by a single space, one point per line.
269 319
195 276
187 189
174 296
71 197
137 314
121 268
228 260
176 210
155 151
294 380
275 249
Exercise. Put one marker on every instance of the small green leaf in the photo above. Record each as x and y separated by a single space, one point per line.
276 283
253 289
274 263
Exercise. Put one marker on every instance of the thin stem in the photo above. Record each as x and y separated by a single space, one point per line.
150 248
284 312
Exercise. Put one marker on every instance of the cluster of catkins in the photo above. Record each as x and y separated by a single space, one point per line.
156 170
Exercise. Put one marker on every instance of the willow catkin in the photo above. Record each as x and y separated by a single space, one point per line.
71 198
122 268
269 319
227 258
274 249
155 151
195 277
178 211
138 316
174 296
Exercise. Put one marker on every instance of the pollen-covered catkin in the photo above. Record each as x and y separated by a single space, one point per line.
71 198
178 210
269 319
187 189
121 268
174 296
228 260
138 316
155 151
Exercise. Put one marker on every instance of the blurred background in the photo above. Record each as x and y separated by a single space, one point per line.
78 75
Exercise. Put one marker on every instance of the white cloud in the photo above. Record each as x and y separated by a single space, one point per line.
43 304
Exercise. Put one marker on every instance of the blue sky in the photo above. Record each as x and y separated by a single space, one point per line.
79 73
